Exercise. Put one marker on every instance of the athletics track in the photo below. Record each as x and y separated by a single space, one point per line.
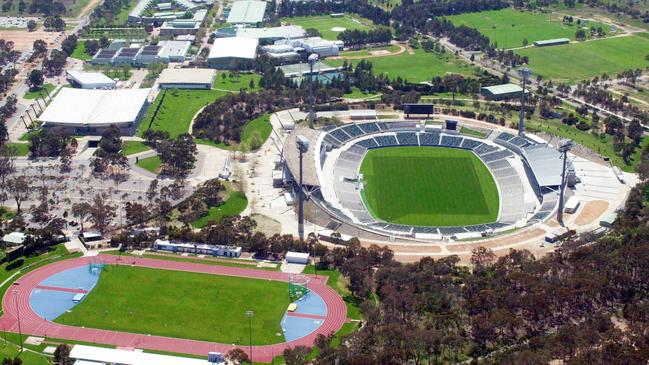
32 324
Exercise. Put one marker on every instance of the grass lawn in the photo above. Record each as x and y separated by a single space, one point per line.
417 67
213 307
237 83
359 94
472 132
512 26
133 147
429 186
261 125
80 52
150 163
177 110
366 52
235 204
325 23
36 93
18 149
573 62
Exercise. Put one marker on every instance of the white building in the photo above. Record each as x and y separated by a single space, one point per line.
247 12
90 80
197 248
322 47
14 238
297 257
83 111
90 355
227 52
186 78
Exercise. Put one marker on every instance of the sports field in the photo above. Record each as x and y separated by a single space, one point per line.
416 67
212 307
508 27
429 186
325 24
577 61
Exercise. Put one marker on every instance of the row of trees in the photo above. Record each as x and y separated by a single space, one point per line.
357 37
361 7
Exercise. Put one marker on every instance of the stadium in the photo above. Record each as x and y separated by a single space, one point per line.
424 180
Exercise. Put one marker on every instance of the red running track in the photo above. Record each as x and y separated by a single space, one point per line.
32 324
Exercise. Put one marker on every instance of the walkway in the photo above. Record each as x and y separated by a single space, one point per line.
34 325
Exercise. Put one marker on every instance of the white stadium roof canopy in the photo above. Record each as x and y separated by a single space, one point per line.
80 107
546 164
235 47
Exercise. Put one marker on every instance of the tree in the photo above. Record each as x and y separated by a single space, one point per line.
177 156
7 166
297 355
102 212
237 356
136 213
69 44
31 25
35 79
19 189
81 211
62 355
580 35
40 47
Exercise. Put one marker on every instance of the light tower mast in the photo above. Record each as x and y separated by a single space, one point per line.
525 74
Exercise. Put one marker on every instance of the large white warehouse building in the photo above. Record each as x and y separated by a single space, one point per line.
82 111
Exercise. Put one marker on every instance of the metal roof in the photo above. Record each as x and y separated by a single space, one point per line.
125 357
546 42
247 11
187 76
503 89
235 47
546 164
87 78
81 107
283 32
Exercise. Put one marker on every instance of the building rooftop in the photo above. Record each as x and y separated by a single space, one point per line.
503 89
90 77
95 355
236 47
187 75
95 107
247 12
16 238
552 41
173 48
545 163
283 32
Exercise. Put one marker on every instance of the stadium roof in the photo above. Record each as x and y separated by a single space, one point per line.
235 47
125 357
283 32
545 163
187 76
90 77
292 157
81 107
503 89
247 11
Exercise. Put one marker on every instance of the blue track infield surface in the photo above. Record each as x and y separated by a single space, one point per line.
50 303
298 327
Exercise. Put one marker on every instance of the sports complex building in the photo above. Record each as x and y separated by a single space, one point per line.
350 171
82 111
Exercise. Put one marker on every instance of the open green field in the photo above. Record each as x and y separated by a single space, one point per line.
577 61
150 163
417 67
235 83
177 110
235 204
213 307
508 27
80 52
325 23
133 147
429 186
36 93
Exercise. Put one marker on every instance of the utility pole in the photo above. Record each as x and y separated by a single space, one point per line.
525 75
250 314
302 147
20 332
564 146
313 58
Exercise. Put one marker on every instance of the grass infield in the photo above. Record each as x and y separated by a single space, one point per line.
213 307
429 186
325 24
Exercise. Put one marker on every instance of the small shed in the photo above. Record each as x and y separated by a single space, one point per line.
501 92
572 205
297 257
608 220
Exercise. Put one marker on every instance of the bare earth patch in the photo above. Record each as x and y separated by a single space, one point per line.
380 52
591 211
24 40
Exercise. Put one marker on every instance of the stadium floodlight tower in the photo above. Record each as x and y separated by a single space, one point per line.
313 58
525 74
302 146
565 145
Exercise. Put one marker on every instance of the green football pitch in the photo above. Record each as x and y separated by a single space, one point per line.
326 24
183 305
429 186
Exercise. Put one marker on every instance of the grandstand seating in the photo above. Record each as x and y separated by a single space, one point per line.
382 134
407 139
